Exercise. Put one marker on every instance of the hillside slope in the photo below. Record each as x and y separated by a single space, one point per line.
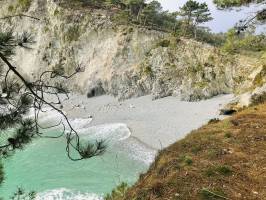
222 160
122 60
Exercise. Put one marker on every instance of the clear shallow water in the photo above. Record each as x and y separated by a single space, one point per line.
44 167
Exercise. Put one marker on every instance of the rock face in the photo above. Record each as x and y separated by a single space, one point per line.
124 61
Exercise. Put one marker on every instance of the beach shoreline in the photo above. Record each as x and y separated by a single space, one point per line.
155 123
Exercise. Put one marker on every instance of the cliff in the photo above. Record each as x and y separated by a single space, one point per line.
124 61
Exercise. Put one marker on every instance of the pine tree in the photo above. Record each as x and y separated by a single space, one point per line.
195 13
19 94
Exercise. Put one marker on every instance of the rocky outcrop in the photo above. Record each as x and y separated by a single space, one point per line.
255 94
124 61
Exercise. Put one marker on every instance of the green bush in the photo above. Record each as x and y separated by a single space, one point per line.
11 8
188 160
224 170
218 170
24 5
228 135
236 43
164 43
215 39
121 18
118 193
230 3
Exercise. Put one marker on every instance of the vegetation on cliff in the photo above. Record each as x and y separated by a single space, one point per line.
218 165
230 3
151 15
221 160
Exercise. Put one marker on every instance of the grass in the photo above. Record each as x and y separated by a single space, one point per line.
208 194
117 193
218 170
188 160
214 120
227 135
221 160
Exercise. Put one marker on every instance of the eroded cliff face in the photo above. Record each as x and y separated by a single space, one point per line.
124 61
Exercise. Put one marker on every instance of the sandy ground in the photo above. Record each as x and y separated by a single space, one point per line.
156 123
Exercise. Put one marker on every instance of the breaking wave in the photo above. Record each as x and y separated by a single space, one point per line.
65 194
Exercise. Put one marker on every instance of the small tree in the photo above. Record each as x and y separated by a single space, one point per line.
195 13
150 14
135 7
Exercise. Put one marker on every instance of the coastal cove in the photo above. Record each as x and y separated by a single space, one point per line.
132 100
134 132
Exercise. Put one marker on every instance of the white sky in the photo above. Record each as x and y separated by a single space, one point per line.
223 20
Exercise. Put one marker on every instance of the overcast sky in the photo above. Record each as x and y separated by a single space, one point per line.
223 20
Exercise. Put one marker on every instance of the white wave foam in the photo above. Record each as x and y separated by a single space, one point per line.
138 151
50 117
110 132
66 194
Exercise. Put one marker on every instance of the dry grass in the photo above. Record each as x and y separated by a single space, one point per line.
222 160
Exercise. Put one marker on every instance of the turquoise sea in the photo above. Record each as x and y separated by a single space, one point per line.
44 167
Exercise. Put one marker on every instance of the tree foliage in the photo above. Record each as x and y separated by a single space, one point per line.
18 95
194 13
137 12
258 17
246 41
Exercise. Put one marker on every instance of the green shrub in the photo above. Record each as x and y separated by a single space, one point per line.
227 135
214 120
236 43
24 5
196 149
147 70
56 12
224 170
11 8
210 172
163 43
230 3
121 18
118 193
218 170
188 160
215 39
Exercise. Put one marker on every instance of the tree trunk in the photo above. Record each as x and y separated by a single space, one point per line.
188 23
139 12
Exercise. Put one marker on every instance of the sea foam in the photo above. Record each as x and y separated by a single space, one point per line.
66 194
109 132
